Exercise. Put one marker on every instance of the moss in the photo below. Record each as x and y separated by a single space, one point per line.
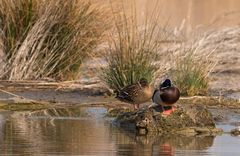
191 119
23 106
114 112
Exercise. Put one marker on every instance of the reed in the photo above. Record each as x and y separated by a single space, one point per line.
132 50
48 38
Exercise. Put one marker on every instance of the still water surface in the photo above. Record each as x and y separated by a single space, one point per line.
86 131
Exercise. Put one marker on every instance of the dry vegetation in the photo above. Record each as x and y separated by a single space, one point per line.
198 58
47 38
137 51
132 49
41 39
191 71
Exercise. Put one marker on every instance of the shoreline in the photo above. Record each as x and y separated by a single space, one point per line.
44 94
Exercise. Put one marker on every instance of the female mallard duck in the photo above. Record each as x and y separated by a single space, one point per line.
136 94
166 96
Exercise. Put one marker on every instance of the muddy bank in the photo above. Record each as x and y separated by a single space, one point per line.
36 95
45 98
77 91
53 92
91 86
211 102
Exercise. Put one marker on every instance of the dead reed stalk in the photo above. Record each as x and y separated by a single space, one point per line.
48 38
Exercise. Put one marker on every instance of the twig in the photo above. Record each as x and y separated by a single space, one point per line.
15 95
27 99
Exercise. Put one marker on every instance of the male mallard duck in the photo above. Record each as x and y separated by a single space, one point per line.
166 96
136 94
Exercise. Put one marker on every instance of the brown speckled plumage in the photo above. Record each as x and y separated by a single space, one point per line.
137 93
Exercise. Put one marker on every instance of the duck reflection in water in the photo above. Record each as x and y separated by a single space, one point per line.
156 144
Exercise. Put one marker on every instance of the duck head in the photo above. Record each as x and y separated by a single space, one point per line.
167 83
143 82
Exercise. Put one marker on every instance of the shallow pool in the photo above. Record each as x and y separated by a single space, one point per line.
86 131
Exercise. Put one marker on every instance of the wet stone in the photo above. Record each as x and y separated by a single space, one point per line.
235 131
188 120
219 118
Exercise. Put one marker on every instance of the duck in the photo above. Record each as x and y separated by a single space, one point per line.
166 96
136 93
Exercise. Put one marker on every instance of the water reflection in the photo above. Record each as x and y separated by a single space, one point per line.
160 144
85 131
2 124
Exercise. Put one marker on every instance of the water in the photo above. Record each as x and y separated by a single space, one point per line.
86 131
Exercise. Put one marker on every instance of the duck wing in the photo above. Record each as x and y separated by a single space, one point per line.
129 93
156 97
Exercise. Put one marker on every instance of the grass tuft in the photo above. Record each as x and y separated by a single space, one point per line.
191 71
132 51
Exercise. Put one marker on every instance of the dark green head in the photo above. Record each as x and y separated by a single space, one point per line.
167 83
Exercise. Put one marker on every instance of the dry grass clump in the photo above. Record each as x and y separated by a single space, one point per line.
191 63
195 59
132 50
48 38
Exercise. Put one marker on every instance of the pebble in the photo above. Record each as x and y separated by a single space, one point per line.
235 131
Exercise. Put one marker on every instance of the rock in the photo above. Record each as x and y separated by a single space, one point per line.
190 120
201 142
235 131
219 118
